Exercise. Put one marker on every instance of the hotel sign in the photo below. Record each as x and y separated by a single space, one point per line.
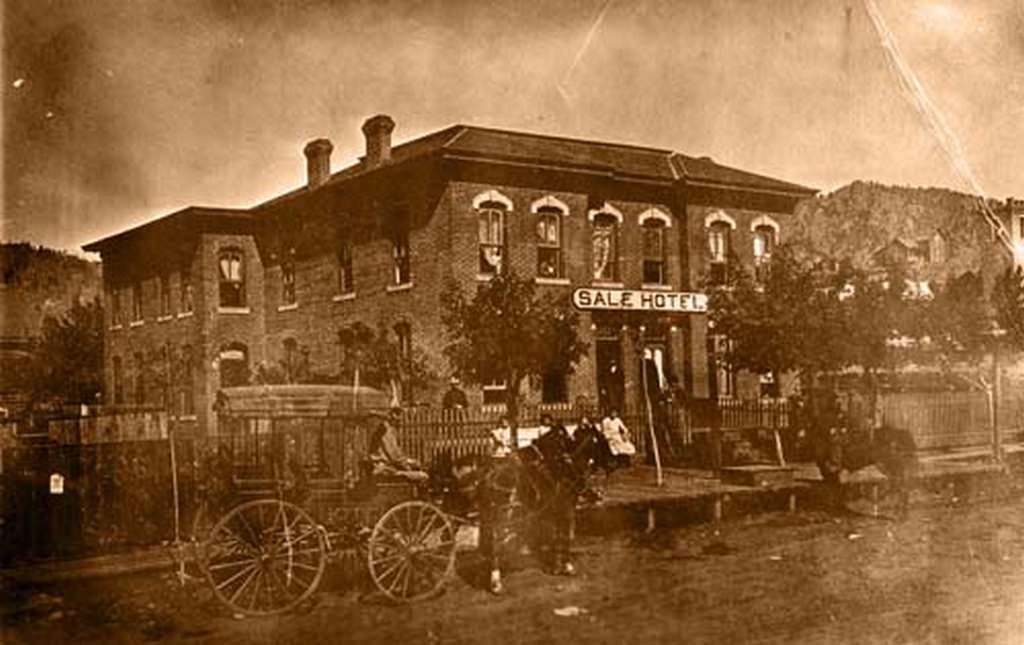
633 300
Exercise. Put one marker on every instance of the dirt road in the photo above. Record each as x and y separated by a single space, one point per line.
948 574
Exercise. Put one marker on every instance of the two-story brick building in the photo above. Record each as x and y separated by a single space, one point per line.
199 297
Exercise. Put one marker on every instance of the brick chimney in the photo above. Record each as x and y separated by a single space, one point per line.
377 130
318 162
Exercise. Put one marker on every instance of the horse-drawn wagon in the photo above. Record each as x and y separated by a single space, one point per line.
304 492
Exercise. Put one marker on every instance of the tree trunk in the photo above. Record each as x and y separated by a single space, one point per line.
512 410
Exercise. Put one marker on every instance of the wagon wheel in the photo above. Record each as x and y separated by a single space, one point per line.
411 552
264 557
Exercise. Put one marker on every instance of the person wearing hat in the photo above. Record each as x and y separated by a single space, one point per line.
454 398
387 457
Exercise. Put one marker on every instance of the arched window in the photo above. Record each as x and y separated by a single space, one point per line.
491 237
718 251
231 269
549 242
654 269
605 247
764 244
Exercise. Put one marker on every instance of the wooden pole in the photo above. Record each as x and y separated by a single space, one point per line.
650 423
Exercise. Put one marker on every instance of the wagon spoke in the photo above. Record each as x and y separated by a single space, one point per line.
227 565
421 535
295 553
256 591
392 569
252 573
402 570
236 576
303 565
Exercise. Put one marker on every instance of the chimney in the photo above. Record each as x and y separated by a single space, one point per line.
318 162
377 130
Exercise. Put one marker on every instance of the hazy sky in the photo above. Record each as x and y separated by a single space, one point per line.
118 111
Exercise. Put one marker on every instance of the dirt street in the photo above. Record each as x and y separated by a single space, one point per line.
951 573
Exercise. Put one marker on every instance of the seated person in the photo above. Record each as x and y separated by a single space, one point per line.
387 456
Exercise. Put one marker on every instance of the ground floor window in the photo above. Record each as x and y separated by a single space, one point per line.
495 393
554 387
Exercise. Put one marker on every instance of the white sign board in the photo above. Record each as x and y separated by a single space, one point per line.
633 300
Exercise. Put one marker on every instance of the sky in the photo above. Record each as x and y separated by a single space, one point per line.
116 112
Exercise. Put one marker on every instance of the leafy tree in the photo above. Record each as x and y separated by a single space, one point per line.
376 358
67 364
960 319
789 321
1007 299
507 333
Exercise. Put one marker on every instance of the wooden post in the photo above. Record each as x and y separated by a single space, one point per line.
792 502
717 508
651 519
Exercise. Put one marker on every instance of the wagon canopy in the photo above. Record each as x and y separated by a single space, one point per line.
299 401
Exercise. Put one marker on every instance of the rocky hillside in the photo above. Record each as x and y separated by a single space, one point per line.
857 220
37 281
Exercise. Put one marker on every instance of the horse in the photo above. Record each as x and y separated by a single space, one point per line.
534 492
892 450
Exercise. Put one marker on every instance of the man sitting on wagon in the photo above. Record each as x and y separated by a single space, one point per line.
387 457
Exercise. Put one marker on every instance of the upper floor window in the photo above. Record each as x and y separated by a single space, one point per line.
654 252
718 251
288 283
491 237
137 301
549 242
231 269
116 314
605 247
764 242
345 283
186 290
165 295
400 257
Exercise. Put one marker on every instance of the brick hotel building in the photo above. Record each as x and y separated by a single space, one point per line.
197 298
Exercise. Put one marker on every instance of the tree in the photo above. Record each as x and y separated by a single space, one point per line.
790 321
1007 299
67 364
378 359
507 333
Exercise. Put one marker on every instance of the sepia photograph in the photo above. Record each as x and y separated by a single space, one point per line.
512 321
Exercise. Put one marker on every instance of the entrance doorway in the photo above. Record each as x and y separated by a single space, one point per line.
610 381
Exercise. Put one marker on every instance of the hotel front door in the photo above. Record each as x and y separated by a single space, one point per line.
610 381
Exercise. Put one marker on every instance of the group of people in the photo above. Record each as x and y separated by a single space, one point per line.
389 460
611 427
